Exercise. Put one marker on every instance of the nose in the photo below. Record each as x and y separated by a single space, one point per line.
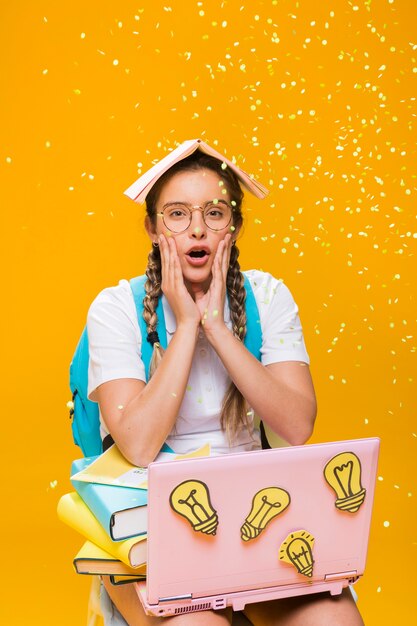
197 228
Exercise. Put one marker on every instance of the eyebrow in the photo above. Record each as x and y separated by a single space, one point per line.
174 202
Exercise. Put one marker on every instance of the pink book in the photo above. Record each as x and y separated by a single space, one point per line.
140 188
255 526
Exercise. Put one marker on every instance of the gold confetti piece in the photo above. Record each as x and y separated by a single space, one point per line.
120 407
70 405
215 313
53 484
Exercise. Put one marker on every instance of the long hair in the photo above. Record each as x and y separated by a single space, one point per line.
234 413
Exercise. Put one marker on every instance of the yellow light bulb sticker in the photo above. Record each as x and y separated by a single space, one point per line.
191 499
343 473
297 550
267 504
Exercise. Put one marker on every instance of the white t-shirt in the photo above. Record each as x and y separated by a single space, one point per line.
115 352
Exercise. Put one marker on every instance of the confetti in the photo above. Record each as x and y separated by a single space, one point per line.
320 104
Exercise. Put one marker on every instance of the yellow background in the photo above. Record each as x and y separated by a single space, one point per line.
317 99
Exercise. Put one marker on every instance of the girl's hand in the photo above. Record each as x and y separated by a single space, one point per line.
211 304
173 287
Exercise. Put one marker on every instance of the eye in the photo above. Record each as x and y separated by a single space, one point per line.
176 211
216 210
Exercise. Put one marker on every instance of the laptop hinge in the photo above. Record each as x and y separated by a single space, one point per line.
187 596
350 574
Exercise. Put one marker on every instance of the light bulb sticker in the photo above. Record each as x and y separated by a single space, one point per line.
267 504
343 473
191 499
297 550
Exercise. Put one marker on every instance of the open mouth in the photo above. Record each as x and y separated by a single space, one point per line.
197 254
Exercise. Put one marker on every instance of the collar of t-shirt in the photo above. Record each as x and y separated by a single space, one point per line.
170 321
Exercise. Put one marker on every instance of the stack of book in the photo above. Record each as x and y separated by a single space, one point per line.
109 509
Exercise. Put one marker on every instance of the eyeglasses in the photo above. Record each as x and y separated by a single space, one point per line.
217 215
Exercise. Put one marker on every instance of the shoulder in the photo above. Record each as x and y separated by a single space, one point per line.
117 293
116 301
282 335
267 289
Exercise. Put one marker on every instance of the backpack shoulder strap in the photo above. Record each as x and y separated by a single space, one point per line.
138 289
253 339
85 422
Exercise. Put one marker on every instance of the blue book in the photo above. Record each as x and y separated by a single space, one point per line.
121 511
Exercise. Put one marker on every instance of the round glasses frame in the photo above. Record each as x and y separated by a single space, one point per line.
196 207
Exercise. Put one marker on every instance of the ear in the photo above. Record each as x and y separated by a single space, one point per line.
150 228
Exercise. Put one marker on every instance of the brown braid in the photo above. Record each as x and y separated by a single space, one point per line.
234 415
150 302
237 295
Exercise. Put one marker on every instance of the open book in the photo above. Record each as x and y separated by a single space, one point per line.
140 188
111 468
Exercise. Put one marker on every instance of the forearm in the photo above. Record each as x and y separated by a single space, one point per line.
286 402
148 418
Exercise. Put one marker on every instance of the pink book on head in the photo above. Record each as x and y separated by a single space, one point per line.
255 526
141 187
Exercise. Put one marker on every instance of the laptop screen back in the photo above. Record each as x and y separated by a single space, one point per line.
288 516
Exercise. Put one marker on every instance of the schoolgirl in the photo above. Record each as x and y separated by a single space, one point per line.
206 386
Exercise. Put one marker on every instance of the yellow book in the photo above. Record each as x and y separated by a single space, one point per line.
111 468
72 511
92 559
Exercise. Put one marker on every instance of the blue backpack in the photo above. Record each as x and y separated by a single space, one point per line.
85 413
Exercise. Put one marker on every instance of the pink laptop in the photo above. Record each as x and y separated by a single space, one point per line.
248 527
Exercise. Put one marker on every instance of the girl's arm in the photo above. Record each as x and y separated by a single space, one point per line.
282 393
138 416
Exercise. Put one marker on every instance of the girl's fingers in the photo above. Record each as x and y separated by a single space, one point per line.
226 255
175 262
175 271
163 254
167 262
